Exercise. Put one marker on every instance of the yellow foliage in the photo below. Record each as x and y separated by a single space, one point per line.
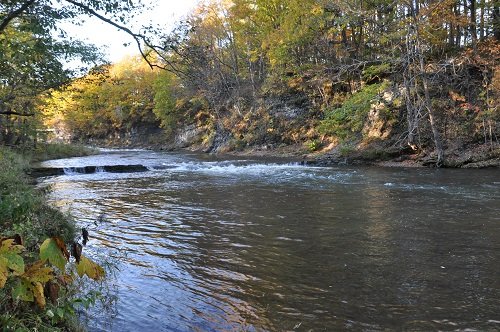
89 268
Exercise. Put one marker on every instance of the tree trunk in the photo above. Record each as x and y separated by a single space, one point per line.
473 23
438 143
496 20
416 81
481 20
458 35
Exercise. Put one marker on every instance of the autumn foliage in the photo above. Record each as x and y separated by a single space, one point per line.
33 282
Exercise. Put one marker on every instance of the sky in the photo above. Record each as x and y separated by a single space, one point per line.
111 41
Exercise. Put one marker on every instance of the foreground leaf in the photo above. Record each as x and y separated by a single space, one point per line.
76 251
52 291
15 262
38 273
4 271
17 239
10 259
54 250
22 291
37 289
89 268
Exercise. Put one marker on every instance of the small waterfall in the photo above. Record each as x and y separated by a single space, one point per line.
100 169
74 170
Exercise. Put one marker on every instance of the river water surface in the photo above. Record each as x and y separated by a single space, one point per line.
201 244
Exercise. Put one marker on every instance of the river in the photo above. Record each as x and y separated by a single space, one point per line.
206 244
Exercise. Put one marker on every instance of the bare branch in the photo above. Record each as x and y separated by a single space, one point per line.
139 39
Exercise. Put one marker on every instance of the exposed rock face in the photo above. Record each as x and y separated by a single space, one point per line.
376 125
220 139
188 136
484 164
289 109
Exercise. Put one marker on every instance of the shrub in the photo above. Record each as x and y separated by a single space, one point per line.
348 120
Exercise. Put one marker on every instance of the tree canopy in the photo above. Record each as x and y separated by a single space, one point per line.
34 49
229 60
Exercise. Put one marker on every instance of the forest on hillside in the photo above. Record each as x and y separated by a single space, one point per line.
381 79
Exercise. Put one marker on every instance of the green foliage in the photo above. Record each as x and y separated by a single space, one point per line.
34 264
238 144
165 102
348 120
29 282
313 145
346 149
376 72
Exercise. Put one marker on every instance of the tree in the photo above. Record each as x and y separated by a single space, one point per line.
113 100
31 59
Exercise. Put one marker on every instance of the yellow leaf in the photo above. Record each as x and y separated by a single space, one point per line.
38 273
10 260
89 268
4 272
8 245
37 289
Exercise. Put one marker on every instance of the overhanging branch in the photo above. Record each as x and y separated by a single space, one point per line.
16 113
12 15
139 39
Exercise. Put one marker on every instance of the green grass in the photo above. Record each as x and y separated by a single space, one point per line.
60 150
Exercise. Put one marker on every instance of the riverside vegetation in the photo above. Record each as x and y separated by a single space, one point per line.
37 276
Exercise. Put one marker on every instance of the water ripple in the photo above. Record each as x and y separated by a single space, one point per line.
231 245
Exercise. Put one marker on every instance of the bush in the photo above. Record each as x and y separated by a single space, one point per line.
376 72
348 120
313 145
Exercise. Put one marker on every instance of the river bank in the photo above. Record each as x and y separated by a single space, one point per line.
382 154
26 217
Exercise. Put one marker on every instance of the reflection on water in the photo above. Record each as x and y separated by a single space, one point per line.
206 245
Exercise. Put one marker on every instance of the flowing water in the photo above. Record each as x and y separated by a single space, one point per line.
258 245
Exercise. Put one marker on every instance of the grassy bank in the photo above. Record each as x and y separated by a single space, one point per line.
33 297
58 151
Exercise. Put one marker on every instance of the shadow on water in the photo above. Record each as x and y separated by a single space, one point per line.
207 245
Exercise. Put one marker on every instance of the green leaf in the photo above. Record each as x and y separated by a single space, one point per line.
60 312
89 268
54 251
22 291
15 262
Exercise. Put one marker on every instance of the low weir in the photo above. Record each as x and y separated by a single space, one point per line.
54 171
